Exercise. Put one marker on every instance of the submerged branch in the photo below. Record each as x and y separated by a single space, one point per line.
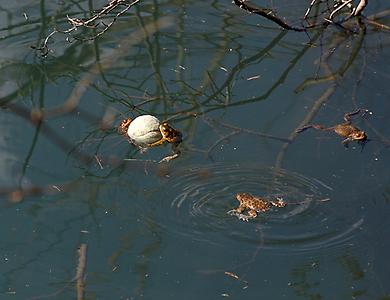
80 281
318 102
310 116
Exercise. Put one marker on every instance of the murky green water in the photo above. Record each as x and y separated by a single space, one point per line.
237 87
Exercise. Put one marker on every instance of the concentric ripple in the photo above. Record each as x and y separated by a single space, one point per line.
195 202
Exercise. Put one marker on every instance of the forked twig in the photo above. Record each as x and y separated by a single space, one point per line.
89 23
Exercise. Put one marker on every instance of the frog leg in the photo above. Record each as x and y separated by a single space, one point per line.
266 208
176 153
238 213
159 142
176 139
315 126
169 158
303 128
251 215
279 203
243 217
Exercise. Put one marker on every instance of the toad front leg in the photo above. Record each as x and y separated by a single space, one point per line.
158 143
251 215
176 153
238 212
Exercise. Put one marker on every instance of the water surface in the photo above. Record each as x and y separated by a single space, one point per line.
237 87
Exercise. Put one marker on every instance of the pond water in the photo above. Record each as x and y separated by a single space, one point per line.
237 87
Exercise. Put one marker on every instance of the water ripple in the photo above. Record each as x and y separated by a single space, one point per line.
195 201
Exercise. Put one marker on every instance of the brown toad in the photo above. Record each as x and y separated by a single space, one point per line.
349 132
167 133
254 205
146 131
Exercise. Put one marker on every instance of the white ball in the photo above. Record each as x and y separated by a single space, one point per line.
144 130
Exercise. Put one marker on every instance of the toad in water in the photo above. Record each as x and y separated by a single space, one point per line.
253 205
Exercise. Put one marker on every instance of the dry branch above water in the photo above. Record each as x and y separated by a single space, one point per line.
335 8
95 23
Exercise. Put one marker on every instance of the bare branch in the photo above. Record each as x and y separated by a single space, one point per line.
93 22
309 9
268 14
338 7
80 282
361 6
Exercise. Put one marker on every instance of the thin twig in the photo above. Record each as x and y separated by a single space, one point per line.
89 23
220 140
361 6
107 26
309 9
253 132
99 162
235 276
